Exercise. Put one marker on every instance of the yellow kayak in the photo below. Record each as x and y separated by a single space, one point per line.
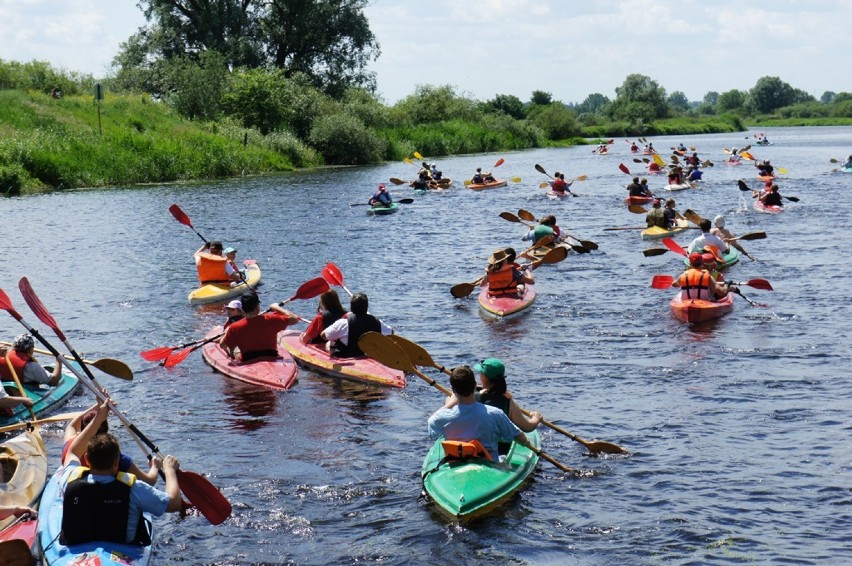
657 233
214 293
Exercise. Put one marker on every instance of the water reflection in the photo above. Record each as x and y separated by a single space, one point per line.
249 404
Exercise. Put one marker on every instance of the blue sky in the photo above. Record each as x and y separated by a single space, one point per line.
487 47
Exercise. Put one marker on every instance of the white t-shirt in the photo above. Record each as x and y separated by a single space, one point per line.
705 240
339 330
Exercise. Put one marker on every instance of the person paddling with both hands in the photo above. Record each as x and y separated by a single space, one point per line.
708 241
698 283
720 231
381 198
329 311
343 335
211 265
504 277
559 186
256 336
20 357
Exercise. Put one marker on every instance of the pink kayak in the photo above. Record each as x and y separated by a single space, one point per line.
276 373
314 357
767 209
492 185
506 306
638 200
699 310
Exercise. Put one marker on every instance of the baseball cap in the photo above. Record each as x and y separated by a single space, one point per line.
235 304
492 368
228 250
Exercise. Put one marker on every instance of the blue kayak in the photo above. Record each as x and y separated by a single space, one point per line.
46 399
102 553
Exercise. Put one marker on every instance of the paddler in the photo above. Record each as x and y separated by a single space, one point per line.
772 197
27 369
671 215
503 277
655 216
697 283
234 312
545 228
329 311
210 264
231 269
559 186
728 236
708 241
256 336
381 198
343 335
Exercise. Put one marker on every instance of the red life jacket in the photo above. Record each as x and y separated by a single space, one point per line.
559 185
19 361
502 282
696 284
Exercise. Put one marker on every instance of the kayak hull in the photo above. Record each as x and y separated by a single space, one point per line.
680 187
765 178
628 200
553 195
483 186
506 306
698 310
45 399
274 373
215 293
315 358
657 233
728 259
93 553
767 209
383 210
472 488
27 455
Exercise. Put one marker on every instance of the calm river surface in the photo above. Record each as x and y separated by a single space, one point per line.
739 431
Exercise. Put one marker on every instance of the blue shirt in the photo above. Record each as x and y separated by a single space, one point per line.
143 498
489 425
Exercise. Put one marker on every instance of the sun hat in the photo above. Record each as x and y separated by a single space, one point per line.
497 256
492 368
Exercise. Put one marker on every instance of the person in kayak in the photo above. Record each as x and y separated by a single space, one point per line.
676 176
695 174
764 168
433 170
545 228
465 419
210 264
381 198
9 402
698 283
504 277
708 241
653 167
231 269
329 311
693 160
771 197
256 336
728 236
655 216
634 148
27 369
848 164
671 214
91 423
559 186
681 147
734 157
635 188
234 311
342 336
100 503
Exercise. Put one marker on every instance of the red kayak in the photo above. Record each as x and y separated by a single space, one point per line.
699 310
276 373
765 178
492 185
628 200
767 209
506 306
314 357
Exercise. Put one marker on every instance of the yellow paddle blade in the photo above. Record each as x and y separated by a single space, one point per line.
544 185
659 160
418 156
408 160
746 155
582 178
782 170
516 179
468 182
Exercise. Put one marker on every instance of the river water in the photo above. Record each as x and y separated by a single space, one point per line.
738 431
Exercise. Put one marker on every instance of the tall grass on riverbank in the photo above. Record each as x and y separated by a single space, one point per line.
55 143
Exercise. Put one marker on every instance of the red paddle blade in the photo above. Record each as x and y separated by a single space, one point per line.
332 274
624 168
674 246
156 354
180 215
175 358
499 162
38 307
204 495
311 289
760 284
662 281
6 304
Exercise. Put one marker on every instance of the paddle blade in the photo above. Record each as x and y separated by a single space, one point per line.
382 349
588 244
556 255
462 290
654 252
332 274
541 170
516 179
624 168
543 185
156 354
527 215
792 199
177 357
310 289
509 216
180 215
753 236
415 352
405 201
636 209
762 284
662 281
204 495
582 178
115 368
6 305
674 246
38 307
16 552
743 187
499 163
396 181
408 160
601 446
417 155
692 216
659 160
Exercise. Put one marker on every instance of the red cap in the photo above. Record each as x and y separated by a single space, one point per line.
695 259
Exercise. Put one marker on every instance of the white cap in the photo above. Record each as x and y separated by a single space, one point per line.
235 304
719 221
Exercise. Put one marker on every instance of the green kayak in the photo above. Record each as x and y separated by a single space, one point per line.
728 259
469 488
393 207
45 399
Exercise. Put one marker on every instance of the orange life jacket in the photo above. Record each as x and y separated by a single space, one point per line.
696 284
502 282
457 449
19 361
211 270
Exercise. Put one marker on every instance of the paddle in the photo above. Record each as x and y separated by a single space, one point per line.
334 276
654 252
396 181
17 380
400 201
585 244
624 168
512 218
382 349
636 209
674 246
462 290
743 187
665 281
541 170
419 356
625 228
52 419
200 492
307 290
181 217
750 236
417 156
749 301
109 366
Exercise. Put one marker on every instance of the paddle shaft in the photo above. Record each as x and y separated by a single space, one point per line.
18 383
45 352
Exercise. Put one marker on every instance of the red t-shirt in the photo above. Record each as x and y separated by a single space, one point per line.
256 333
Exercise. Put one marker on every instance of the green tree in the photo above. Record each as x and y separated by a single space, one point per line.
196 86
678 100
731 100
430 104
827 97
711 98
636 95
541 98
593 104
555 120
770 93
508 104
